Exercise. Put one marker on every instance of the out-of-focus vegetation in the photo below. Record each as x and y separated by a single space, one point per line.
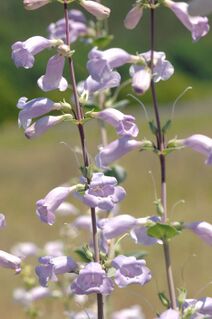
191 60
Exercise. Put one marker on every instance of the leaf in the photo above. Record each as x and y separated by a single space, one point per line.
118 172
121 104
164 300
91 108
83 254
162 231
153 128
166 126
103 42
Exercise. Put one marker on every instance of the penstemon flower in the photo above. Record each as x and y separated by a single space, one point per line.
197 25
112 80
124 124
133 312
202 229
35 4
129 270
54 248
10 261
116 226
97 9
102 192
34 108
53 78
2 221
170 314
24 249
27 297
115 150
140 236
133 17
23 52
45 208
199 143
43 124
92 279
53 266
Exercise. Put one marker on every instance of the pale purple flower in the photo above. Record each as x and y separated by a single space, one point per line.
92 279
116 226
124 124
133 312
34 108
133 17
130 270
53 266
140 236
23 52
170 314
54 248
35 4
97 9
198 26
100 63
27 297
24 249
42 125
77 27
200 143
111 80
202 306
66 209
102 192
83 222
202 229
10 261
141 74
46 207
85 314
200 7
53 78
2 221
116 150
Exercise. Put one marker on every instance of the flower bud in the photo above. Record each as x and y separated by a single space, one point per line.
35 4
98 10
133 17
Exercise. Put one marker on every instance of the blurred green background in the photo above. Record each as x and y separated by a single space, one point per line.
29 169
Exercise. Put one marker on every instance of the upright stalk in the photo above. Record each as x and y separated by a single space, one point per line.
160 145
79 117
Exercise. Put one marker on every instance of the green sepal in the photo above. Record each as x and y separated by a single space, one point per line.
139 254
167 126
159 207
87 172
153 128
118 172
91 108
162 231
111 272
84 253
103 41
181 297
164 300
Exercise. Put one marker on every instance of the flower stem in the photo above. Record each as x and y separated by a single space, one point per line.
160 145
80 117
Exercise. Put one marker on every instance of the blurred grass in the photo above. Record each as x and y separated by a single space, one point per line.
29 169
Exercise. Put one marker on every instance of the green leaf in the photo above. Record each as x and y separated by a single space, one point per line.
166 126
164 300
103 42
162 231
84 253
121 104
91 108
118 172
140 254
153 128
182 296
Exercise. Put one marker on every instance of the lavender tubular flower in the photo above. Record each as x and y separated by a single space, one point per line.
133 17
102 192
34 108
35 4
115 150
198 26
133 312
202 229
170 314
53 78
204 306
54 248
27 297
45 208
112 80
2 221
116 226
124 124
42 125
23 52
53 266
97 9
129 270
141 79
201 144
10 261
24 250
92 279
